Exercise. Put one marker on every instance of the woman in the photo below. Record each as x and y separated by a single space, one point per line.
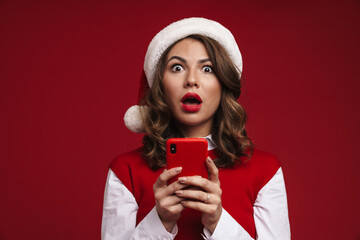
193 68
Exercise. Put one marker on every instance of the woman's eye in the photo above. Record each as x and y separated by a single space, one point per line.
208 69
176 68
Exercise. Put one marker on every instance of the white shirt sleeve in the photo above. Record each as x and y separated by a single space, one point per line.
270 215
227 228
271 210
119 215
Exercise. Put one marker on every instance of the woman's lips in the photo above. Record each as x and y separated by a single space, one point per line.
191 102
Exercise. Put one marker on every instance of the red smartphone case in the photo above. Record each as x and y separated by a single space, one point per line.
190 154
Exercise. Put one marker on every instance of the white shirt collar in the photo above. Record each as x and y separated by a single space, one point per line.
211 144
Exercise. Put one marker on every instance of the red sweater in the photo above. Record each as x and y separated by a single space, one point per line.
240 186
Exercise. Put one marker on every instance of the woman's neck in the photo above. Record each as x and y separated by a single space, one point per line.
195 131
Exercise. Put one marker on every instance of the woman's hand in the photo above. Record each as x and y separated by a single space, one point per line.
168 205
207 200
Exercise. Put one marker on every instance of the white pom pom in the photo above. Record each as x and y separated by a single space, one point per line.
133 120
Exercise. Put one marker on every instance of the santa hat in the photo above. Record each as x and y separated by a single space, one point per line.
164 39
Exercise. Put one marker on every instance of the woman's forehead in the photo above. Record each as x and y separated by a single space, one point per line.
188 48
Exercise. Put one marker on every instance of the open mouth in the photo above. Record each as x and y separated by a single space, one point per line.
191 99
191 102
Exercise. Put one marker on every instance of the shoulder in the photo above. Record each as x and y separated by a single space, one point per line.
262 166
266 165
123 164
265 159
124 159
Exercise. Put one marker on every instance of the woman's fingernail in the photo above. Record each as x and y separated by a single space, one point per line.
182 179
178 169
209 160
179 192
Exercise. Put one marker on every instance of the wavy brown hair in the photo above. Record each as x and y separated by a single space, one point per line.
228 130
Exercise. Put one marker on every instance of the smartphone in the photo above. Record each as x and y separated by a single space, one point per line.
188 153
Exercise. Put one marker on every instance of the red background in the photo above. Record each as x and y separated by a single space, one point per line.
70 69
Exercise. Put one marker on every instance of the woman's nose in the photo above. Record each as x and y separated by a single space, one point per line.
191 79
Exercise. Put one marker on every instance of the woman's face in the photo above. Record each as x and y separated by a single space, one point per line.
192 89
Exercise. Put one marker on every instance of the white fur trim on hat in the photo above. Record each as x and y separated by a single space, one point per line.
182 29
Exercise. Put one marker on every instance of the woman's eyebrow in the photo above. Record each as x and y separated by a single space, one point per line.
178 58
204 60
184 60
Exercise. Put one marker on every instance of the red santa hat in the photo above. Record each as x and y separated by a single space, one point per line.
164 39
